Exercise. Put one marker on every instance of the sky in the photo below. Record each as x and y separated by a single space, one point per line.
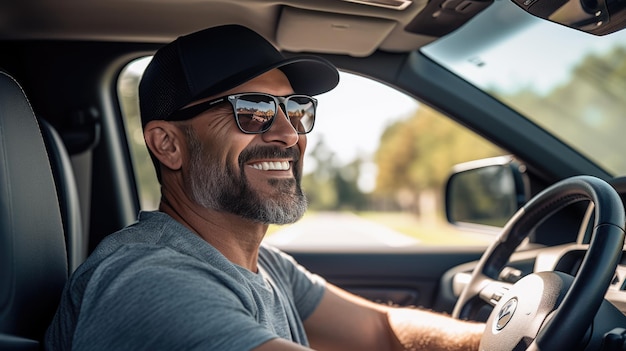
352 117
553 63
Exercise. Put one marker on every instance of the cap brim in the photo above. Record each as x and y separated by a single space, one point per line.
310 75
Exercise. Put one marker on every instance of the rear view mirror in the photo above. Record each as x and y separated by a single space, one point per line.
485 192
598 17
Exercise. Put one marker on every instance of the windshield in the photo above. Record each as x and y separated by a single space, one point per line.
568 82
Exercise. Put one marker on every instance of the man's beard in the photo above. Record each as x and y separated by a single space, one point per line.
222 188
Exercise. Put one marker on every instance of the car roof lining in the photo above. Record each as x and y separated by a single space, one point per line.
160 21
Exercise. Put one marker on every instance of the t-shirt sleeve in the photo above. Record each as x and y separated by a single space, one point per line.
307 288
158 300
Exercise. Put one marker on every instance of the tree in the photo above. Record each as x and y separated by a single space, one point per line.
416 155
318 185
332 186
588 107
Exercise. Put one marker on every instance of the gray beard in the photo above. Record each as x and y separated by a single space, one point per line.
222 188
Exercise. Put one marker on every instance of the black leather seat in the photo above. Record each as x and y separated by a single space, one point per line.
33 258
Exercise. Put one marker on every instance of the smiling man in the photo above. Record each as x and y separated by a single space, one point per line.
225 118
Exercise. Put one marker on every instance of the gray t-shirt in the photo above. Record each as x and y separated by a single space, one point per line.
155 285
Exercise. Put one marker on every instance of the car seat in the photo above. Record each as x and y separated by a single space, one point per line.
33 258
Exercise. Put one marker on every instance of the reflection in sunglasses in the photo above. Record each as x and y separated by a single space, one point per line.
255 112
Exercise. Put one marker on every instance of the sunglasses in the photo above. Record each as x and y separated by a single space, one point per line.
255 112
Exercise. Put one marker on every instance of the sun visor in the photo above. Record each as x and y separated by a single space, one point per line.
320 32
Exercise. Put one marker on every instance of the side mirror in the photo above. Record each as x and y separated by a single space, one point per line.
486 192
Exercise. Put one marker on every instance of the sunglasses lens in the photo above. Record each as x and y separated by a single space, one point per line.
301 113
255 112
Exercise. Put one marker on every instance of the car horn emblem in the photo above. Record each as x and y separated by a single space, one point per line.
505 314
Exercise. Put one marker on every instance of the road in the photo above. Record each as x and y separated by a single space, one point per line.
338 231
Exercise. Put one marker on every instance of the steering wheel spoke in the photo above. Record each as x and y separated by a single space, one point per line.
493 291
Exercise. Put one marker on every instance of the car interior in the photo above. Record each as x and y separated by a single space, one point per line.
68 179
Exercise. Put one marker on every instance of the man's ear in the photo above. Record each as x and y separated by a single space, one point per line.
164 141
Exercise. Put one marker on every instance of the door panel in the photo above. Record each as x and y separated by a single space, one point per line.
406 279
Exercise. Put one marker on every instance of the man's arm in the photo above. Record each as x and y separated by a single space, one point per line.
344 321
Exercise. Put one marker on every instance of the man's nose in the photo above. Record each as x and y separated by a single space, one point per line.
281 131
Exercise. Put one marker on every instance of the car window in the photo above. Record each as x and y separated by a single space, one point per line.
374 185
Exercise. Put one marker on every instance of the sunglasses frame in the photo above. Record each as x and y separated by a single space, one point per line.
280 101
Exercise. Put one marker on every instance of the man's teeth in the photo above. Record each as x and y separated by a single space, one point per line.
271 166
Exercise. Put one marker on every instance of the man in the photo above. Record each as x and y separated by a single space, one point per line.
225 118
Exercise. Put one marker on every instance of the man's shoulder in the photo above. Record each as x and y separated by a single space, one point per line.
137 266
155 239
149 261
274 256
154 232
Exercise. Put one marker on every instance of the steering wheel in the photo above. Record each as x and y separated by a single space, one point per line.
536 310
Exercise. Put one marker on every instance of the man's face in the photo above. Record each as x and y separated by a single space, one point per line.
256 176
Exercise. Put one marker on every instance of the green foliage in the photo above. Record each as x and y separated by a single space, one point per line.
588 107
332 187
417 154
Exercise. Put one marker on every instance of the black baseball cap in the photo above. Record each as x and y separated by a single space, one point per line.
217 59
